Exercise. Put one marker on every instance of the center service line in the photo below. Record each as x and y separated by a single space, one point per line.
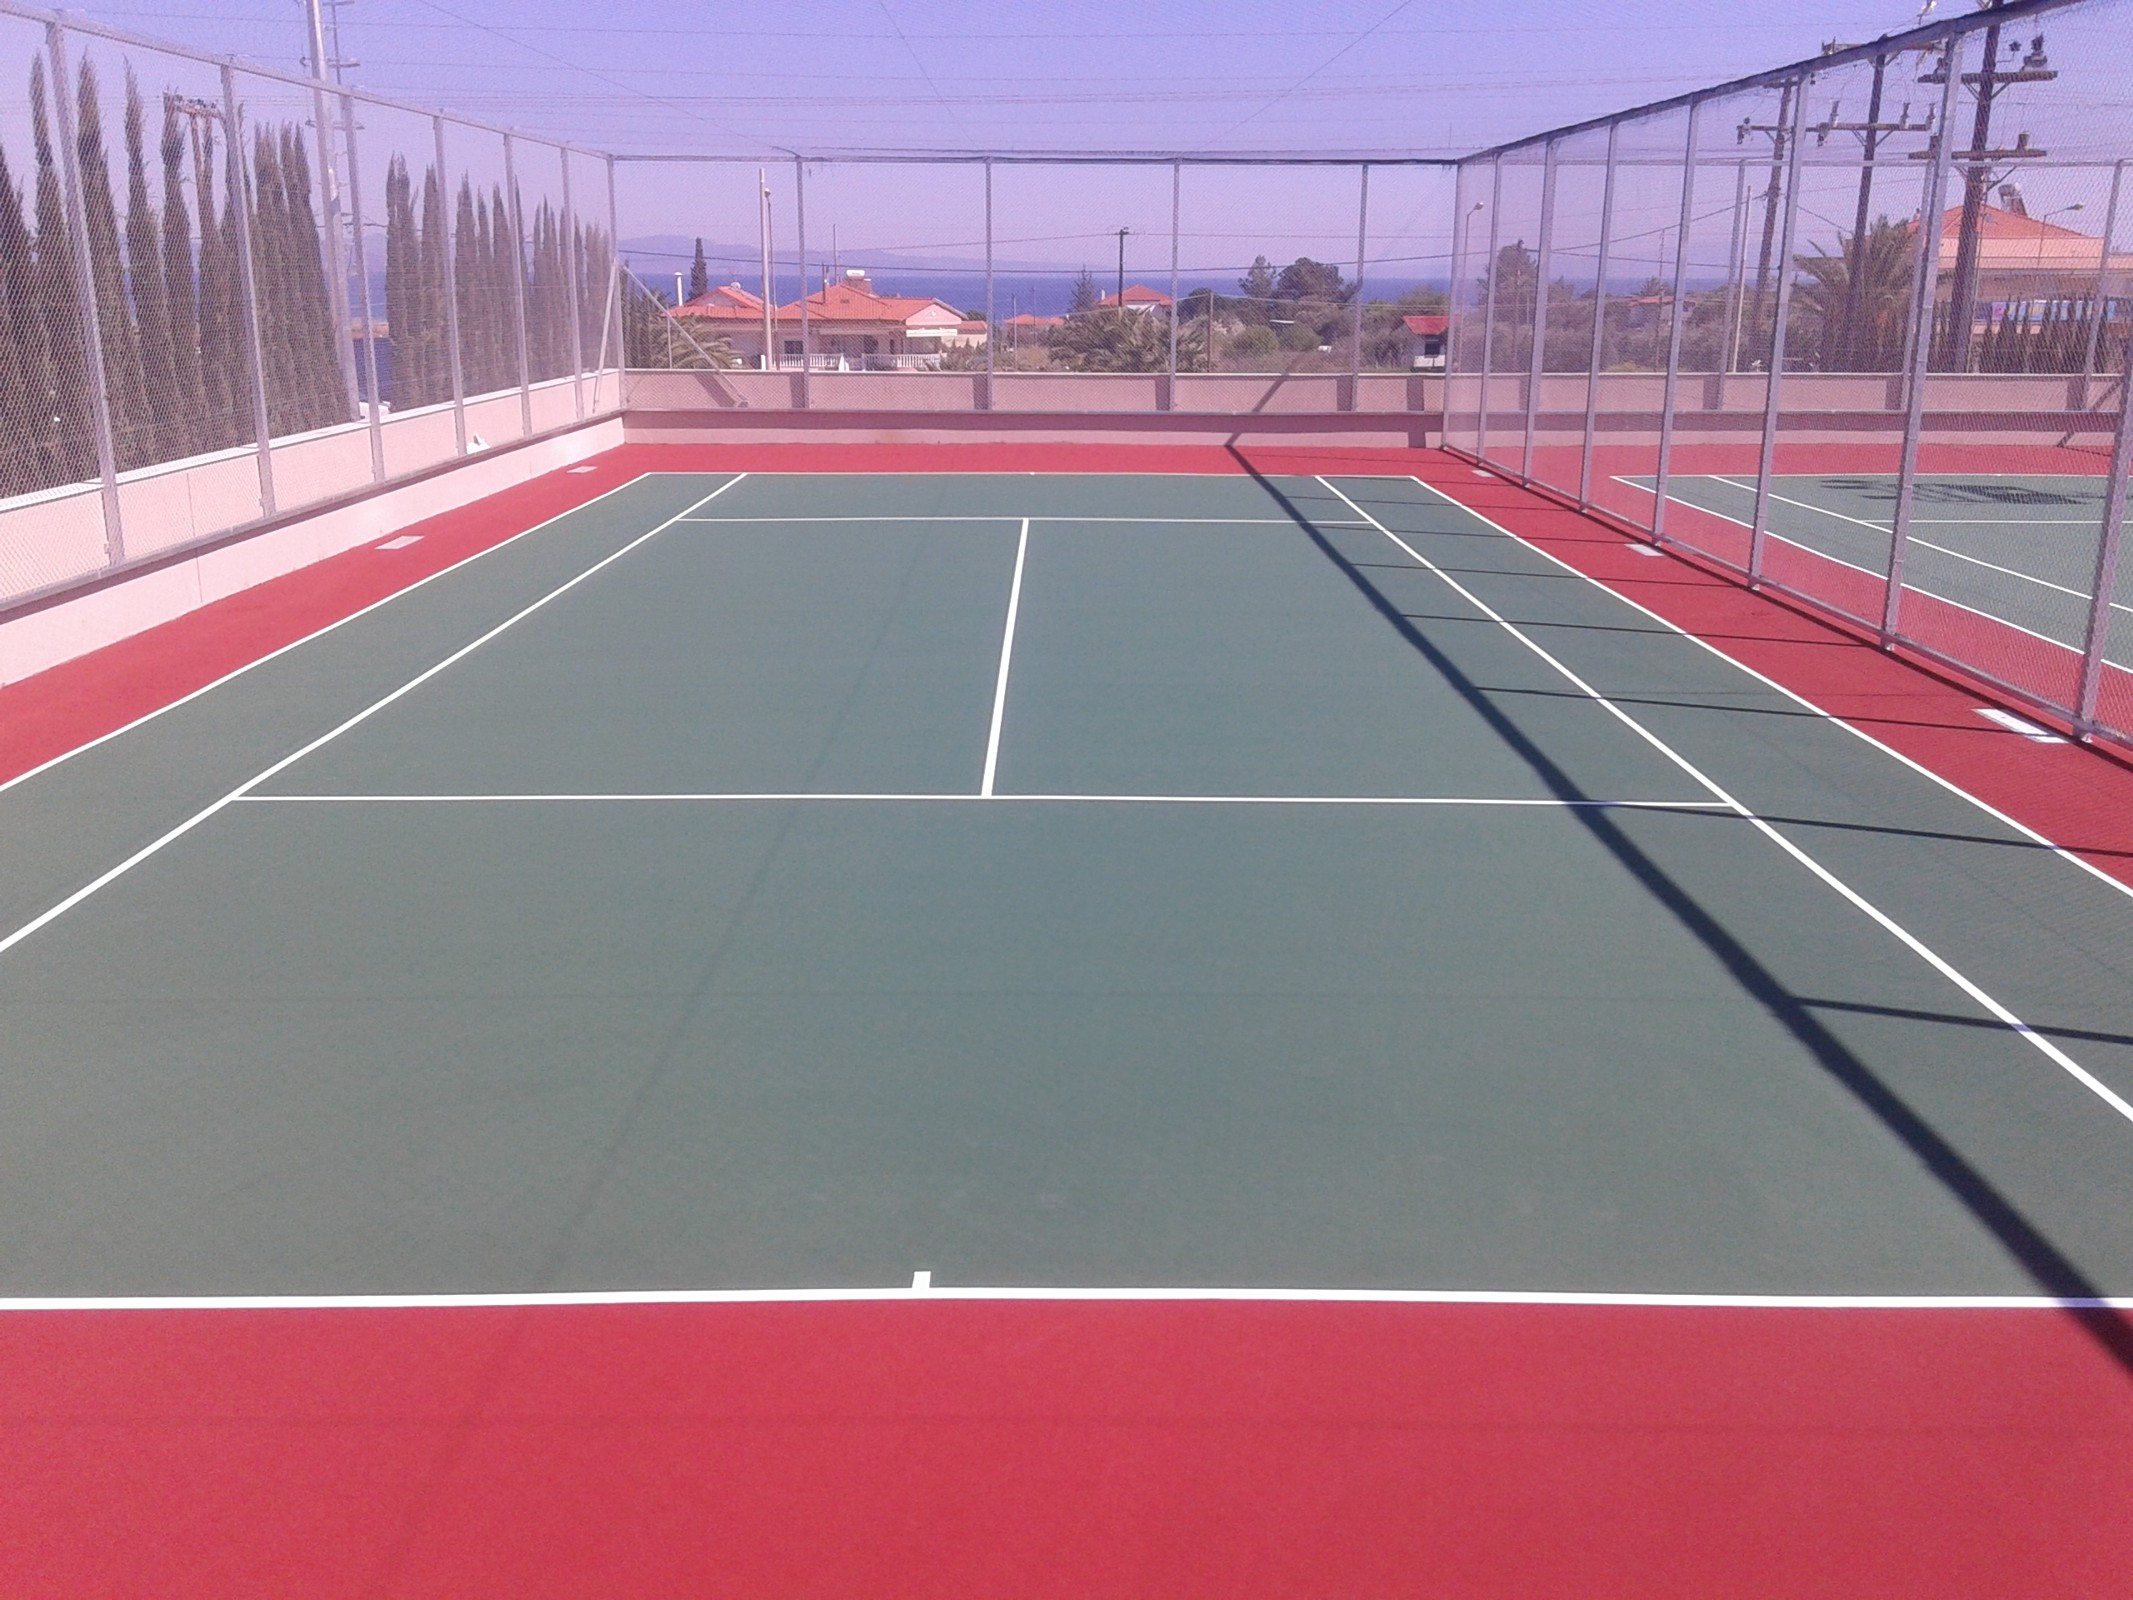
1007 654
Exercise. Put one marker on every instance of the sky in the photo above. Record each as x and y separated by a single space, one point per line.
756 81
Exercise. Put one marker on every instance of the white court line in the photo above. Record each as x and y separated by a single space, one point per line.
1889 924
1139 522
369 711
1007 655
1546 803
1923 544
320 633
930 1290
1798 699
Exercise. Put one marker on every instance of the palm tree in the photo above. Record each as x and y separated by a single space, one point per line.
1862 333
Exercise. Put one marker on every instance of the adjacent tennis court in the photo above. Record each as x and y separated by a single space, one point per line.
830 883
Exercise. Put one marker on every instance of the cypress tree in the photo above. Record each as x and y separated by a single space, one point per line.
26 395
436 240
264 182
467 281
162 427
401 276
70 451
132 423
221 348
314 340
186 405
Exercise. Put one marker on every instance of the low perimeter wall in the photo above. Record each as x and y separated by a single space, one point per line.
73 624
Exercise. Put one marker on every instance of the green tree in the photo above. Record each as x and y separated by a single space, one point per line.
699 274
70 456
186 402
161 426
26 394
1112 340
1086 296
1862 332
132 422
1257 287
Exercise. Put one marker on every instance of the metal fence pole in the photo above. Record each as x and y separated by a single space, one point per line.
1541 267
2099 296
451 290
611 316
248 285
1362 250
2105 589
992 318
370 319
92 340
1677 315
1737 268
1599 318
574 288
1919 347
1177 193
1488 309
518 290
807 337
330 197
1774 376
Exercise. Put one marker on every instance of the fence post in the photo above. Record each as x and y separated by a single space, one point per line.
2106 585
1488 311
2097 298
1919 346
370 320
330 197
1362 251
1736 270
611 315
1677 317
451 289
1539 362
518 290
573 286
1774 376
248 286
992 317
1177 191
92 341
807 337
1599 318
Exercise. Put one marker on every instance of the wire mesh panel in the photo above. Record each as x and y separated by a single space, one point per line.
306 344
1467 322
1635 328
1511 280
1407 275
536 211
1575 206
677 214
407 231
589 268
487 285
1095 243
2005 527
894 274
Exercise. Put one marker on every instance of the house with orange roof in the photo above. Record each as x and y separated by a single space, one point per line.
1138 297
2021 257
848 325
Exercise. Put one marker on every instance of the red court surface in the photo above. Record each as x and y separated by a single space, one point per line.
923 1444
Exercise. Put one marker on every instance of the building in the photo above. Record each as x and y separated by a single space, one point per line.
1425 341
1138 298
848 325
2021 257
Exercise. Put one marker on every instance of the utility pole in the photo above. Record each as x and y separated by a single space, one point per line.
330 192
1977 163
762 179
1122 267
1871 134
1780 133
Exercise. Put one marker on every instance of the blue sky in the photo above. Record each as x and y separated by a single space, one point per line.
1437 77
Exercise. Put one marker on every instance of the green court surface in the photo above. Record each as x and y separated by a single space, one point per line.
1041 881
2019 548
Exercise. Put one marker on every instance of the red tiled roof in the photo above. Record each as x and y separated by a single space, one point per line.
1427 324
729 302
1027 319
1137 294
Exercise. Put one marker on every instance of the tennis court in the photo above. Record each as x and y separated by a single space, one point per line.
1988 552
758 881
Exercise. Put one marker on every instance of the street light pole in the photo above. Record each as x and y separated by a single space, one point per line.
1122 267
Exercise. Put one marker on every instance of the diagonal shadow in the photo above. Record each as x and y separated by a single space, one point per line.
2050 1268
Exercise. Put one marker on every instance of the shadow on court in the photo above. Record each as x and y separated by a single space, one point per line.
2053 1271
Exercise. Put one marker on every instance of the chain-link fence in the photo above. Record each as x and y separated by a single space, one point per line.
1856 330
228 294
